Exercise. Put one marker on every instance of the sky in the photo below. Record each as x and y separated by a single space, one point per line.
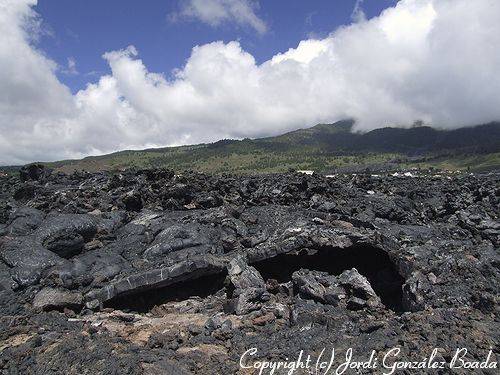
82 31
81 78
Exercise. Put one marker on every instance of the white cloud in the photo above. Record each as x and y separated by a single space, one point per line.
217 12
429 60
306 51
358 14
70 69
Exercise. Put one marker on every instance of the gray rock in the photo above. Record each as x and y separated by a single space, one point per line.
66 235
435 235
335 290
243 276
51 298
357 285
35 172
248 288
24 220
27 259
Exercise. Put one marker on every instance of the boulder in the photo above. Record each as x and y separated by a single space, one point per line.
133 201
194 238
66 235
358 286
33 172
23 220
57 299
247 287
349 289
318 286
243 276
247 301
27 259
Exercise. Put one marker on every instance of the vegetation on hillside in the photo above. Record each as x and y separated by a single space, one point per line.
323 148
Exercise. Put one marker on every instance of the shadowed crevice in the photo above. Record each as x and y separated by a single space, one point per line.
370 261
143 301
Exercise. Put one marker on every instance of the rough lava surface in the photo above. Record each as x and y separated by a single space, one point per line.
148 272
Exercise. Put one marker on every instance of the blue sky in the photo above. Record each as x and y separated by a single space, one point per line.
84 30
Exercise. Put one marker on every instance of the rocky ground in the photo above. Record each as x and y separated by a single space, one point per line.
150 272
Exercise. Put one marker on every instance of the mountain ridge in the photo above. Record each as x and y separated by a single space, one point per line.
323 147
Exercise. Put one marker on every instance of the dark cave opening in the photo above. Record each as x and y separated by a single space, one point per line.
370 261
142 301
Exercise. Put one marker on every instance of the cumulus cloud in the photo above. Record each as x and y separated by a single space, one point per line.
429 60
217 12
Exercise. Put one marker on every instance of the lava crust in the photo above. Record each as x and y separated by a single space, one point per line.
152 272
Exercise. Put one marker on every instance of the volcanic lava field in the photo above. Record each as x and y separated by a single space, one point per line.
155 272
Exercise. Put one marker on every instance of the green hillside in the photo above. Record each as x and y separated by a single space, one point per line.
323 148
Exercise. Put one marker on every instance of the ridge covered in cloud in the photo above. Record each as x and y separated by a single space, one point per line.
429 60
